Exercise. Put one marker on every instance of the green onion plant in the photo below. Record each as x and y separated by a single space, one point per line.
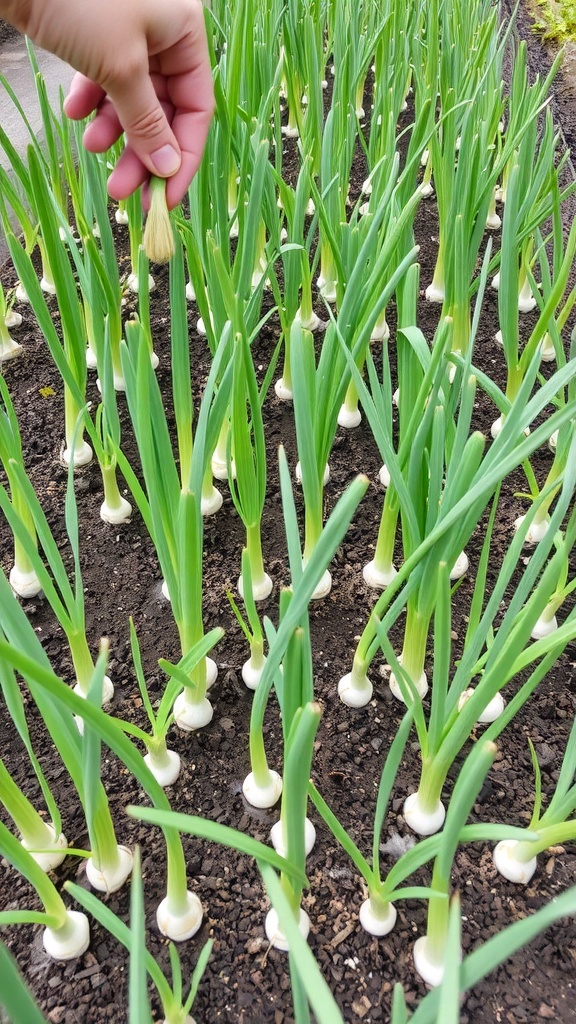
175 1006
516 859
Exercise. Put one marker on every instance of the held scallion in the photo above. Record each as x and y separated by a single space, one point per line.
158 237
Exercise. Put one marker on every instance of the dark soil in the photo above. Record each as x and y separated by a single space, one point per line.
246 982
7 32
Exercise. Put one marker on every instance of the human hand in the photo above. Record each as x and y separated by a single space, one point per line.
144 70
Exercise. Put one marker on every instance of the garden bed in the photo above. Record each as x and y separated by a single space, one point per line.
246 982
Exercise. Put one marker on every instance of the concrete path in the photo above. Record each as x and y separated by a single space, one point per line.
15 66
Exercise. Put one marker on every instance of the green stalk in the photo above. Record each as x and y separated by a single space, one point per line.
54 700
254 548
67 603
465 793
299 752
248 450
35 833
384 550
304 587
54 910
415 639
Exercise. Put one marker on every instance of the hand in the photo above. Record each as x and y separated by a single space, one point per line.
144 69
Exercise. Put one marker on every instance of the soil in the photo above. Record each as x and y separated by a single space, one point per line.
245 981
7 32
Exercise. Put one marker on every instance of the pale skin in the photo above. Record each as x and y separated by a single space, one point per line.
143 69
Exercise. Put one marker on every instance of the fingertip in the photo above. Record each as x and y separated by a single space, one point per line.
83 97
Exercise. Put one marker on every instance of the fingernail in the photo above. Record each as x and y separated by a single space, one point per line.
166 161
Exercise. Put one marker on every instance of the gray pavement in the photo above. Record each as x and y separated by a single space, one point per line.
15 66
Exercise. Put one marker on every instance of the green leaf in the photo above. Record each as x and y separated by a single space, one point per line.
319 995
191 825
15 997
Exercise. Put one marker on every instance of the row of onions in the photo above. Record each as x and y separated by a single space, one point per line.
417 90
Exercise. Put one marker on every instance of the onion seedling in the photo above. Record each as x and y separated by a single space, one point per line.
50 161
23 578
294 685
526 100
8 347
175 1006
99 282
465 171
39 837
115 509
297 270
72 349
380 570
179 915
429 440
43 834
378 913
319 390
490 954
453 522
561 448
338 141
547 622
48 149
248 450
299 749
211 499
66 932
516 859
303 61
98 271
224 285
430 949
65 599
492 656
110 863
514 217
133 210
252 668
262 786
22 650
162 762
172 506
104 436
11 198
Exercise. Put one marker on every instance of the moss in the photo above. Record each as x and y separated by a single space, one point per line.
555 19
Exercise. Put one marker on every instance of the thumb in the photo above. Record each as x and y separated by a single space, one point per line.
146 127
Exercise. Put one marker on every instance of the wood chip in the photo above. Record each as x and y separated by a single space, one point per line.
361 1006
342 934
